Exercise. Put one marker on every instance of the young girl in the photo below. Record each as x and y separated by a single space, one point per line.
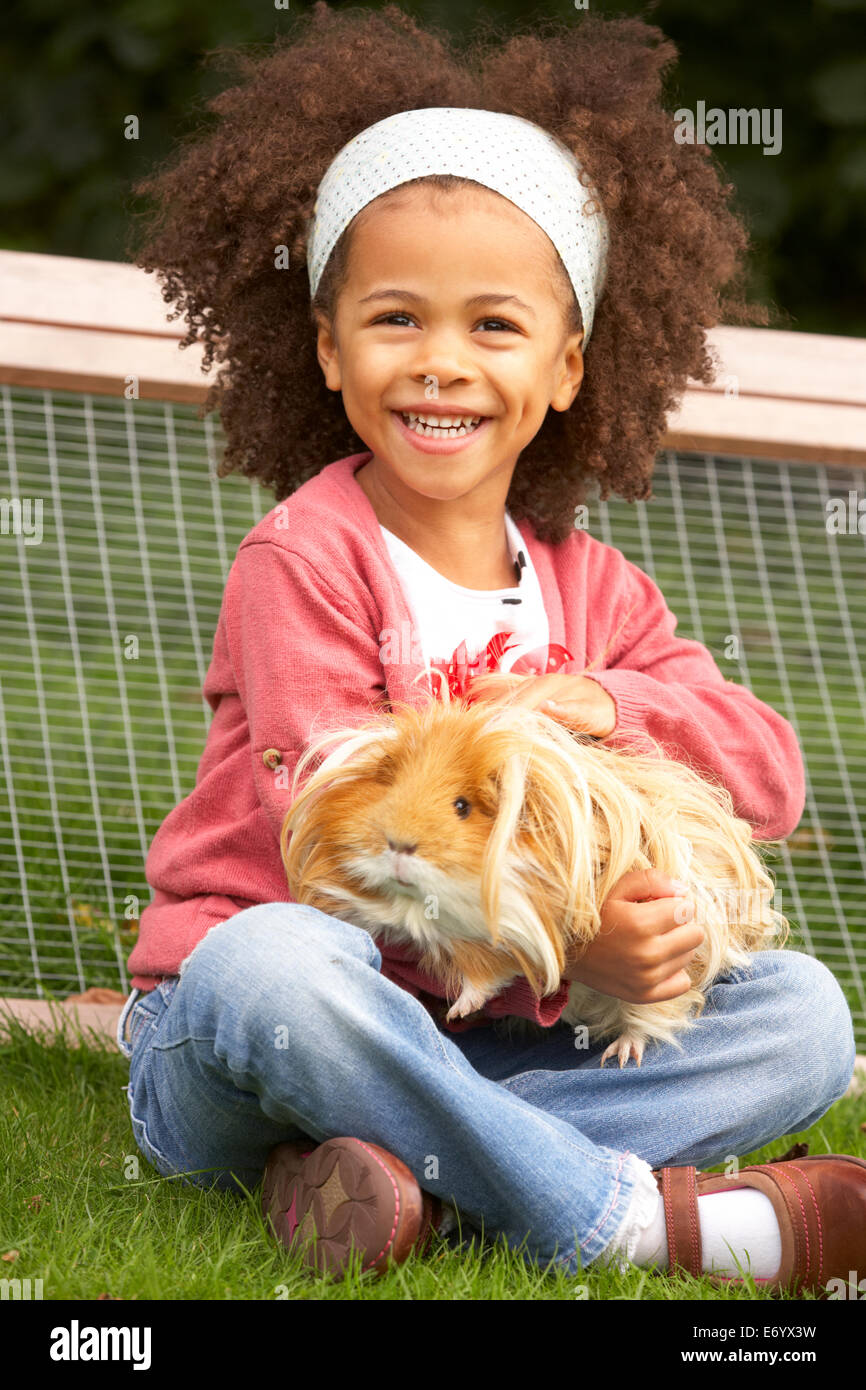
453 291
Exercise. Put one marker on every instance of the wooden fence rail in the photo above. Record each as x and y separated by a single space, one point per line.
84 326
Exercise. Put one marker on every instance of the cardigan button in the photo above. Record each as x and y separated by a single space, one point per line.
272 757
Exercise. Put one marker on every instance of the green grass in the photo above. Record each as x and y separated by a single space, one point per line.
84 1228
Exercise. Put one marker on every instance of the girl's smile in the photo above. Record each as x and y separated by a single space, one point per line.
440 440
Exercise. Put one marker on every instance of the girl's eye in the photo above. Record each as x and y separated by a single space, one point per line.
503 323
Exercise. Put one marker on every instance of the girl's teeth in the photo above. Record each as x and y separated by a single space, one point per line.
437 431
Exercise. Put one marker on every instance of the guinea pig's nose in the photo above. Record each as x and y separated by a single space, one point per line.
402 849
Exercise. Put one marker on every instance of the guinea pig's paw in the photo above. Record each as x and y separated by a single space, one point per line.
624 1047
470 999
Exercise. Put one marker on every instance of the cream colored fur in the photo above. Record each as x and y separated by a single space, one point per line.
558 820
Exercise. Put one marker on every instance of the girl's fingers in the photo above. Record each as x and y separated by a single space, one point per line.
532 693
641 884
670 946
671 972
488 687
671 920
671 988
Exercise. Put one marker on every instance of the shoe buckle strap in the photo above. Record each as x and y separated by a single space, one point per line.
806 1259
678 1188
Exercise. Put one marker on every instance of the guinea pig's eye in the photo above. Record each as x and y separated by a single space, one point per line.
462 807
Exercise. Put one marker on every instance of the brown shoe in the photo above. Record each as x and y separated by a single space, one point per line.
820 1204
329 1198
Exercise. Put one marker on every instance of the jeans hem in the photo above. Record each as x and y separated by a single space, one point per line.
629 1182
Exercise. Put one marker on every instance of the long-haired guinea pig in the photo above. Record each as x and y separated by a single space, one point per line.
488 836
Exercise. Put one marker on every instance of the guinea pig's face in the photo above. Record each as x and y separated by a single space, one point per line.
442 828
421 819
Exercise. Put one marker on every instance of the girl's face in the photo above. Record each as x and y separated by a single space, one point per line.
453 305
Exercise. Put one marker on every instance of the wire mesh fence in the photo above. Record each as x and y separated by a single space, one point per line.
116 539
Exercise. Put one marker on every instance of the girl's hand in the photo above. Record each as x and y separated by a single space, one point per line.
641 953
577 701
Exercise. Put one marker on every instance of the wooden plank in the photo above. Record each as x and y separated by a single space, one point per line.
68 290
788 366
76 359
118 297
79 360
72 324
74 1023
761 427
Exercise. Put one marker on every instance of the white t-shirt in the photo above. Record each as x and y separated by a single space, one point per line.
446 614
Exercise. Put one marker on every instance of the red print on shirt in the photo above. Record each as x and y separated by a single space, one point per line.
460 671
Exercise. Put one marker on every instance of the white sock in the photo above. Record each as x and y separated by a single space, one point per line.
739 1225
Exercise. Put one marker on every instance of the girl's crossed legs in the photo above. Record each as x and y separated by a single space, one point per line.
280 1026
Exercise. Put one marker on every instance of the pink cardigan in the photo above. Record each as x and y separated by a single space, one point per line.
314 623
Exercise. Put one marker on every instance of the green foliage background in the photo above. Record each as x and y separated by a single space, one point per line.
71 71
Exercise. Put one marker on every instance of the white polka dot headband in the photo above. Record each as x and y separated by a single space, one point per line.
508 154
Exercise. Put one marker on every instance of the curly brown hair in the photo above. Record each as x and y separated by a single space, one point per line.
235 191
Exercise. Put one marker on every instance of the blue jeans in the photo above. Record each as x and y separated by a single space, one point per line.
280 1026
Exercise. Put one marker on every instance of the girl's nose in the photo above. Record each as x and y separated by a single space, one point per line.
443 354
